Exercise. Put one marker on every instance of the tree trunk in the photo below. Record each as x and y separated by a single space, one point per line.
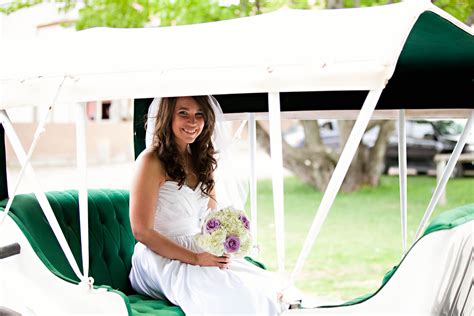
314 163
257 7
470 19
323 168
334 4
355 175
243 7
376 159
368 162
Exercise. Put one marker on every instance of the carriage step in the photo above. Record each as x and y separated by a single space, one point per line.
8 251
8 312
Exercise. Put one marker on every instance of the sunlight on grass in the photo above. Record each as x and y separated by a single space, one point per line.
361 237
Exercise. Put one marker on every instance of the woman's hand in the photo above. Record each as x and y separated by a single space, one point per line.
209 260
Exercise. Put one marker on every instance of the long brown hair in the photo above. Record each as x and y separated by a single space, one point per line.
202 149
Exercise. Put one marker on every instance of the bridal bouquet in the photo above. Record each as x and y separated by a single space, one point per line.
226 231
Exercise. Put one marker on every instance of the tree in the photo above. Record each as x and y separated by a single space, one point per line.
314 162
138 13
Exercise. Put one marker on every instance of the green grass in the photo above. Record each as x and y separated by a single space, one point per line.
361 237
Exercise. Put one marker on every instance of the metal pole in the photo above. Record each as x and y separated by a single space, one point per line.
446 174
39 193
81 148
98 111
3 166
26 163
337 177
440 166
253 172
277 176
402 175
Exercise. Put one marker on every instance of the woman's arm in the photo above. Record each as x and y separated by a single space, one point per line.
148 177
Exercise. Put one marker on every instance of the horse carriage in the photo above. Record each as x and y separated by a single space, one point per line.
68 252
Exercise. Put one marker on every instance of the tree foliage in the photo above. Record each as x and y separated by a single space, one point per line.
139 13
18 5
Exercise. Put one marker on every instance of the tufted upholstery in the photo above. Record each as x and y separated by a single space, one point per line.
144 306
111 241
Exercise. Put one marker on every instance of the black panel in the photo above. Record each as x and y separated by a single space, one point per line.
242 103
140 110
408 91
427 91
293 101
323 100
3 166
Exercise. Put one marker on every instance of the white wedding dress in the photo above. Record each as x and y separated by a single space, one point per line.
242 289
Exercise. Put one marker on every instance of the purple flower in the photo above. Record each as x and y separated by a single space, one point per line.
232 244
245 221
212 225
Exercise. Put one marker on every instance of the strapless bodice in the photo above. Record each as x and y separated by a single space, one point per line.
180 210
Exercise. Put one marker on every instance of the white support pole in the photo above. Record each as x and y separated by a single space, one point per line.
238 132
440 166
81 148
98 111
337 177
446 174
19 151
277 176
252 134
402 175
38 191
39 131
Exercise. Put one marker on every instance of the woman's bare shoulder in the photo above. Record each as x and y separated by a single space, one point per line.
149 163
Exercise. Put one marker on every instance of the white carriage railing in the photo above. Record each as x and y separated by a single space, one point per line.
364 115
26 168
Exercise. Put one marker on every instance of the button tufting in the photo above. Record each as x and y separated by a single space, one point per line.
110 237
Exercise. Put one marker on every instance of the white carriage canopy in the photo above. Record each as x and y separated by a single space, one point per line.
317 59
409 55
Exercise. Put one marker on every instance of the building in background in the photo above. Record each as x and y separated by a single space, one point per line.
110 121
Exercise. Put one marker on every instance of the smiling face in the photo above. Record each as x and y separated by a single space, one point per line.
188 121
183 122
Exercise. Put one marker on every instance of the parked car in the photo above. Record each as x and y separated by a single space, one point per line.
424 141
424 138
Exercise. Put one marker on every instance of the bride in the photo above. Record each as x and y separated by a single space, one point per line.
172 188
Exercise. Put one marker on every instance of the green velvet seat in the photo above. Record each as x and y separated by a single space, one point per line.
143 306
111 242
